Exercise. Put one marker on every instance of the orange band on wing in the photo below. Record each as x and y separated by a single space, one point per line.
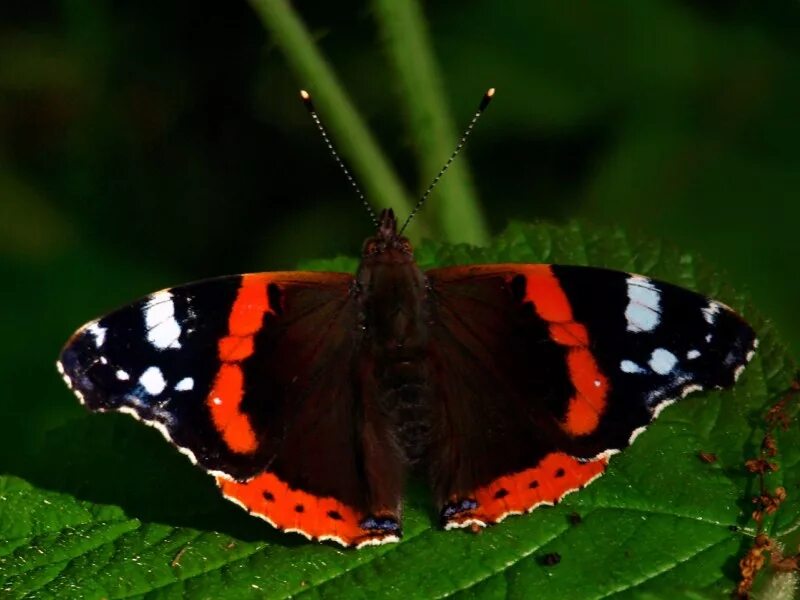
569 334
591 386
224 400
586 406
556 475
235 349
248 310
544 290
291 509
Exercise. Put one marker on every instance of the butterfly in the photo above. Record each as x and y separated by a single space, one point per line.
311 396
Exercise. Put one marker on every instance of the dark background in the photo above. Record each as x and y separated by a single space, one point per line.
144 144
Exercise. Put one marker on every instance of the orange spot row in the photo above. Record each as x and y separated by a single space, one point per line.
554 476
591 386
286 508
224 400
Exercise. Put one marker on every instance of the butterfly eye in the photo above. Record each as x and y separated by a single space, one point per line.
405 246
371 248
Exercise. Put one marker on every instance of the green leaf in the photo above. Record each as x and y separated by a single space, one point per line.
116 513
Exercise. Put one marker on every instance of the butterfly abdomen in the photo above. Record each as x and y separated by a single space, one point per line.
395 318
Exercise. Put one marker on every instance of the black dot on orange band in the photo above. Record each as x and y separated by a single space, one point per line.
534 484
299 508
334 515
501 493
268 496
560 473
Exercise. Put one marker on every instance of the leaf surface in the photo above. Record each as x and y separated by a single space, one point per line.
113 512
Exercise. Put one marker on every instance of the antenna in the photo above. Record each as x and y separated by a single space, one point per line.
306 97
487 97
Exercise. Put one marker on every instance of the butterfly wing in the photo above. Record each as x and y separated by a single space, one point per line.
564 366
250 376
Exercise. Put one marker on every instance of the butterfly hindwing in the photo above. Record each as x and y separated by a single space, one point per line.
247 376
564 366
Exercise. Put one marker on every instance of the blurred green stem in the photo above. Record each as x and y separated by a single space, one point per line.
454 206
348 131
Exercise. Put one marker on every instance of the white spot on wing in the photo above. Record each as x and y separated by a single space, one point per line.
628 366
217 401
153 381
98 332
692 354
644 301
710 312
662 361
122 375
163 330
184 385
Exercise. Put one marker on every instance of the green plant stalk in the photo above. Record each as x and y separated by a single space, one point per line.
454 206
348 131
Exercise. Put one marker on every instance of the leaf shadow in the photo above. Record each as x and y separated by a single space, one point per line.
111 459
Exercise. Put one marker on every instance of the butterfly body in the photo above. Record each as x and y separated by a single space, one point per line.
311 396
392 294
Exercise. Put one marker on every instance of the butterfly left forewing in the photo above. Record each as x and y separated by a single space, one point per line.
248 376
565 366
157 360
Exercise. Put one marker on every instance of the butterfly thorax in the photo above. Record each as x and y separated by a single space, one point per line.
393 314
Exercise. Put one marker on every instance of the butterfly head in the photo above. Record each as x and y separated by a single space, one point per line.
387 243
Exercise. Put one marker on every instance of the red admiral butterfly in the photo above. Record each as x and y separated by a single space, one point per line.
310 396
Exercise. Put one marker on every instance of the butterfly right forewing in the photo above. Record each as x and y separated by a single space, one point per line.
564 366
